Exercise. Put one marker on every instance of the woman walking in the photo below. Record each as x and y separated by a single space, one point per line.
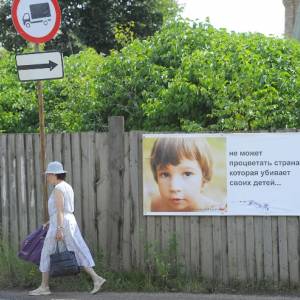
63 226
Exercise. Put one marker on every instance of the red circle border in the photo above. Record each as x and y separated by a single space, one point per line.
31 38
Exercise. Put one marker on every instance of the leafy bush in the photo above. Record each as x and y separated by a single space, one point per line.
69 102
18 107
194 77
163 267
187 77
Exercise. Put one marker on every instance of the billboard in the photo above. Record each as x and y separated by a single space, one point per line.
221 174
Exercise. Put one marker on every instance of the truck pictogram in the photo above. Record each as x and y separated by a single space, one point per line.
39 13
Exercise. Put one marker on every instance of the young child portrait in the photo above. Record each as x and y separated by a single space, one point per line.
184 174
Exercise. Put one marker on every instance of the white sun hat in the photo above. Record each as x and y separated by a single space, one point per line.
55 167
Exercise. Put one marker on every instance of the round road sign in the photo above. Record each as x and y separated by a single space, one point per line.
36 21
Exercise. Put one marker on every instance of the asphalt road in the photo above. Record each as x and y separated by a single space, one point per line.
5 295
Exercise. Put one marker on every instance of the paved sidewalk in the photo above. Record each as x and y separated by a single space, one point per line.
11 295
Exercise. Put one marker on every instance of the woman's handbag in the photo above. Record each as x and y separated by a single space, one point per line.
32 246
63 263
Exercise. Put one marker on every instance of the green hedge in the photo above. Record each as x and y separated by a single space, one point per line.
187 77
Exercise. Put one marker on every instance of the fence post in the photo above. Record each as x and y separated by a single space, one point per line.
115 205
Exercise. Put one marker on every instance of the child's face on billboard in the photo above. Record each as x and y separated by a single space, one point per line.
180 185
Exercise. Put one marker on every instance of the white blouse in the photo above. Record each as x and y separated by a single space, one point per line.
68 196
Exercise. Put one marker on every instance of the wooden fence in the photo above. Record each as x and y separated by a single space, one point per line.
105 170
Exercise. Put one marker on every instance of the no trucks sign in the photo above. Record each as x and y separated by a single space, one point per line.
36 21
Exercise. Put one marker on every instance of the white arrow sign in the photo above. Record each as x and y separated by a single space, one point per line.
40 66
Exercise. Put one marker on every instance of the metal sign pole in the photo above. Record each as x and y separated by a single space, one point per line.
39 88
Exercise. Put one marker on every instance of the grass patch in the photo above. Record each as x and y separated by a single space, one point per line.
164 273
15 272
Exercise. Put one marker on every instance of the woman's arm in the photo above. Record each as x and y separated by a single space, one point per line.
59 203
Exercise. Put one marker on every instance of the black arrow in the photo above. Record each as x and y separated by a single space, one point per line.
51 65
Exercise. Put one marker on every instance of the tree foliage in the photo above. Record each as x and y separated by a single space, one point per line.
194 77
187 77
18 109
91 23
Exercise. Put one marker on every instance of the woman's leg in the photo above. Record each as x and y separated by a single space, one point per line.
97 280
92 273
45 280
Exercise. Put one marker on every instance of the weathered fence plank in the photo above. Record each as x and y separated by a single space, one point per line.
126 244
4 187
67 157
241 251
195 244
283 250
76 177
293 249
21 187
57 147
88 188
139 187
116 160
217 248
250 254
267 234
275 250
134 182
31 188
13 203
179 228
187 243
151 240
102 189
165 231
38 181
49 156
258 237
232 248
157 243
225 274
206 246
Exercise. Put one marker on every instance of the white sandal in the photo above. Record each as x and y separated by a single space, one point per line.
97 286
40 291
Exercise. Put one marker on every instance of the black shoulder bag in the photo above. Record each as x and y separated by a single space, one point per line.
63 263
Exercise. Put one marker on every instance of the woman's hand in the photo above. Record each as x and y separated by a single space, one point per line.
45 224
59 234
